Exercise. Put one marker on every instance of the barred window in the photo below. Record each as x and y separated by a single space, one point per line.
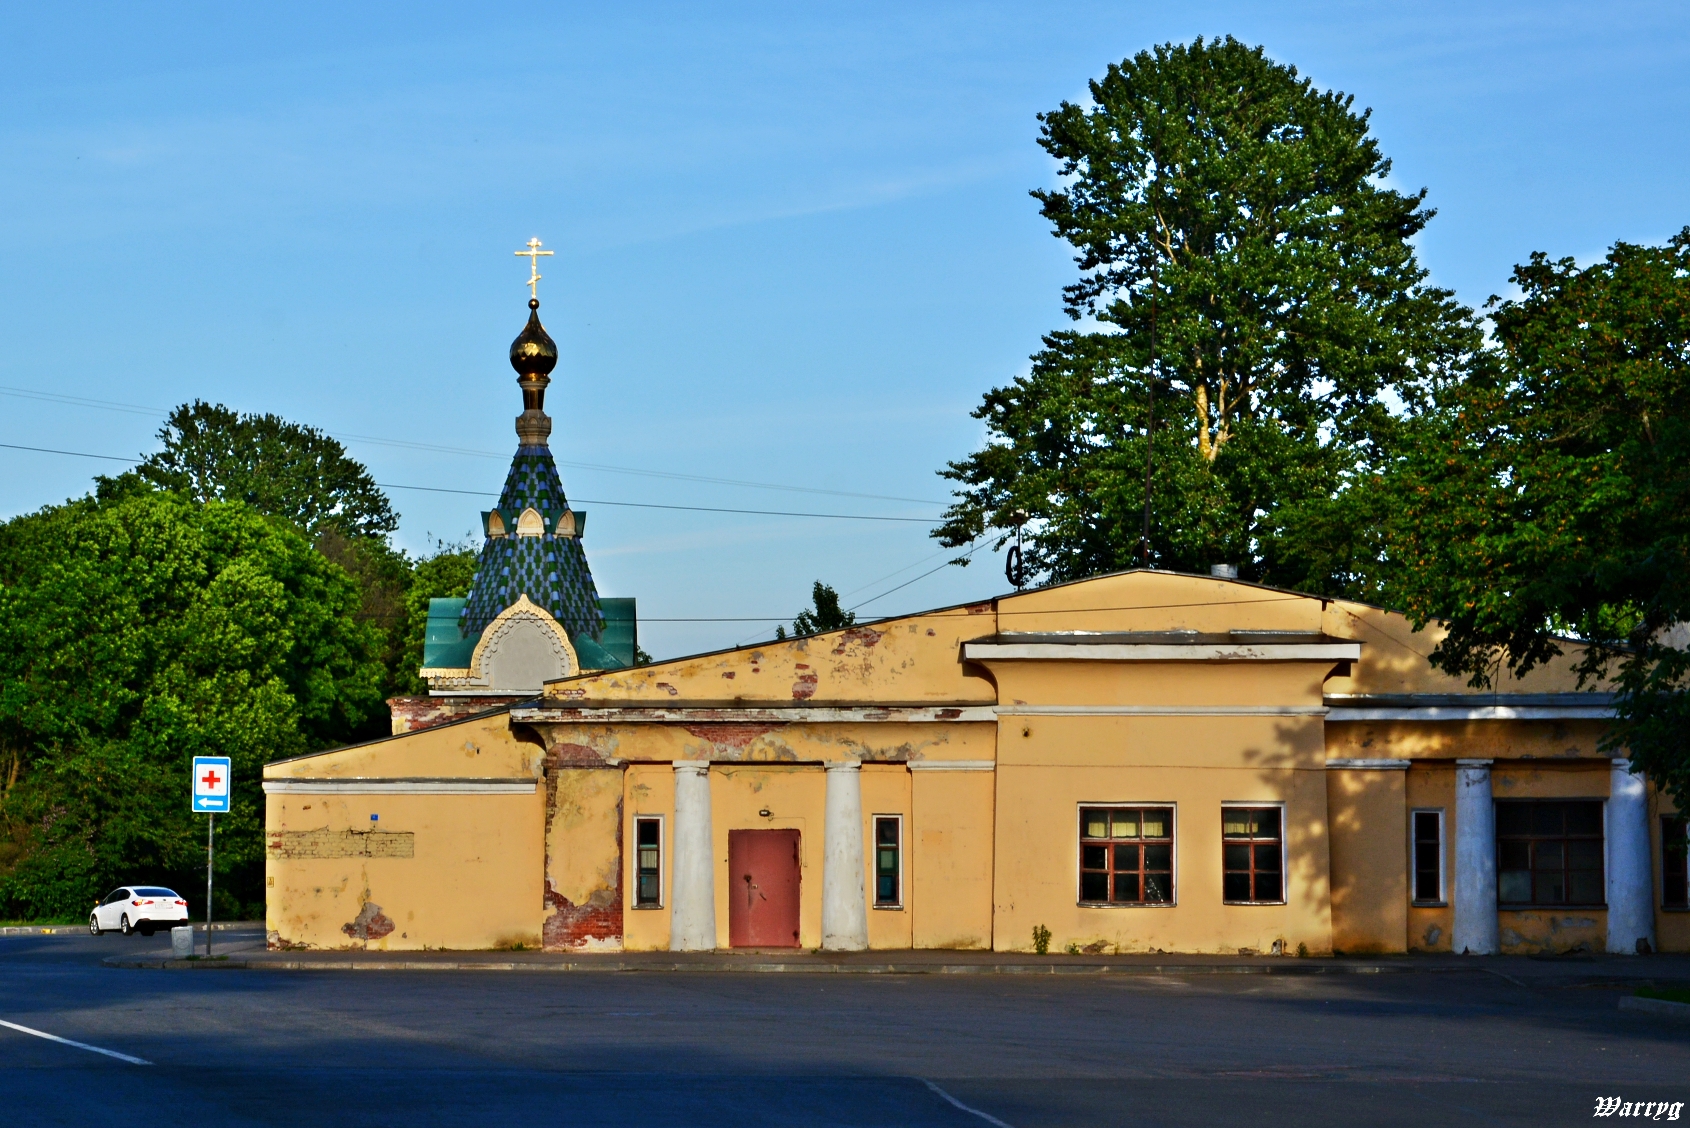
1126 855
1549 852
1252 856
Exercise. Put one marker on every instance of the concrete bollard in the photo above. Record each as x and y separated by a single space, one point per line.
182 941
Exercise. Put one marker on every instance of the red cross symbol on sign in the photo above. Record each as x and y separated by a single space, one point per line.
210 778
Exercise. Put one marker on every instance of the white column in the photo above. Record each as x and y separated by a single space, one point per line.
1631 872
1475 860
844 907
692 894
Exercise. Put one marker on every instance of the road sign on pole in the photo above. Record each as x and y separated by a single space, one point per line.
211 784
211 798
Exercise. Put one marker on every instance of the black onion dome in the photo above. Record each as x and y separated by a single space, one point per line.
533 353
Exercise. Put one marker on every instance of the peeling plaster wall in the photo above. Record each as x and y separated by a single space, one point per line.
583 857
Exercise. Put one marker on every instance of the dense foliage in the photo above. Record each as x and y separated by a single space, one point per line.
1548 493
823 614
138 630
284 469
1232 219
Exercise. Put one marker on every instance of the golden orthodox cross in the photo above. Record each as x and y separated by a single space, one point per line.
532 254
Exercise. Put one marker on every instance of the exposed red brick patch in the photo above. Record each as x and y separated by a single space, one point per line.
949 714
673 692
573 754
729 674
800 666
567 924
868 636
978 608
369 924
412 713
805 687
734 736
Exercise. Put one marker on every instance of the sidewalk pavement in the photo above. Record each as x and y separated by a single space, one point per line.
1523 970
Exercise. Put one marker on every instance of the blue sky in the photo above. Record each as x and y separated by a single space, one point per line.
794 242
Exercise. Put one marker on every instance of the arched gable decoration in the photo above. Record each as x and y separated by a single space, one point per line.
530 524
521 649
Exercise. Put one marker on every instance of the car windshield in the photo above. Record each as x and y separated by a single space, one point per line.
154 891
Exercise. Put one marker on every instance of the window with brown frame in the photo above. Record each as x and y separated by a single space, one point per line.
1252 856
888 861
1675 862
1549 852
1126 855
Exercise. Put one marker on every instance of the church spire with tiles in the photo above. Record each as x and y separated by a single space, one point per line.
533 539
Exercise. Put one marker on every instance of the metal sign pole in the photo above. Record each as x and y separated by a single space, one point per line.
210 827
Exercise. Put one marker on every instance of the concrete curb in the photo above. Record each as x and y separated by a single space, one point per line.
768 968
1660 1008
68 929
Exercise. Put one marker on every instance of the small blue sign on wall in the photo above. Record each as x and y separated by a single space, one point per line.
211 784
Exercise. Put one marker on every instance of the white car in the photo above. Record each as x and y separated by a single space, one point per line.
138 908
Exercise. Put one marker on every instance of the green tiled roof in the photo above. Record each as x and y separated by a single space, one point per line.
550 570
444 645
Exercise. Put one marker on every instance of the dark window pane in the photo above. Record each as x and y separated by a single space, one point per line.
886 889
1158 822
1516 856
1267 822
1513 818
647 831
1236 857
1547 818
1675 864
1267 887
1584 818
1126 887
1094 857
1094 823
1514 888
648 889
1158 857
1549 888
1584 855
886 831
1126 857
1585 888
1236 887
1425 826
1426 885
1157 888
1426 856
1267 858
1093 887
1548 855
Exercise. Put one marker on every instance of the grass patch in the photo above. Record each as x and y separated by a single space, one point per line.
1669 994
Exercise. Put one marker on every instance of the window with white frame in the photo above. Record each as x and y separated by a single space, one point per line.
648 861
888 861
1427 828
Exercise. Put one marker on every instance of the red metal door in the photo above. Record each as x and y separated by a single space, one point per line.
763 895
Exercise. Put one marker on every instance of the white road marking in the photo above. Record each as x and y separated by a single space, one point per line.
78 1045
986 1116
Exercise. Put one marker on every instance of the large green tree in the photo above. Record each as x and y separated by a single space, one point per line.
284 469
1233 221
1546 496
137 630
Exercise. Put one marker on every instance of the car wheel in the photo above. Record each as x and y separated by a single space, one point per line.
124 927
94 928
146 927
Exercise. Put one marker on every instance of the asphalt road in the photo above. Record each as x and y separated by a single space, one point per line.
376 1049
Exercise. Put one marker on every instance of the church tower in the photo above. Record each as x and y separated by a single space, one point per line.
533 613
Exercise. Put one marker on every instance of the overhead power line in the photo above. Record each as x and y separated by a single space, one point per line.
582 500
408 444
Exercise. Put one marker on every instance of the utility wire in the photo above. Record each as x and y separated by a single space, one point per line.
408 444
584 500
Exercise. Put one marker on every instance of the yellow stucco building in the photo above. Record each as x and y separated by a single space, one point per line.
1139 762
